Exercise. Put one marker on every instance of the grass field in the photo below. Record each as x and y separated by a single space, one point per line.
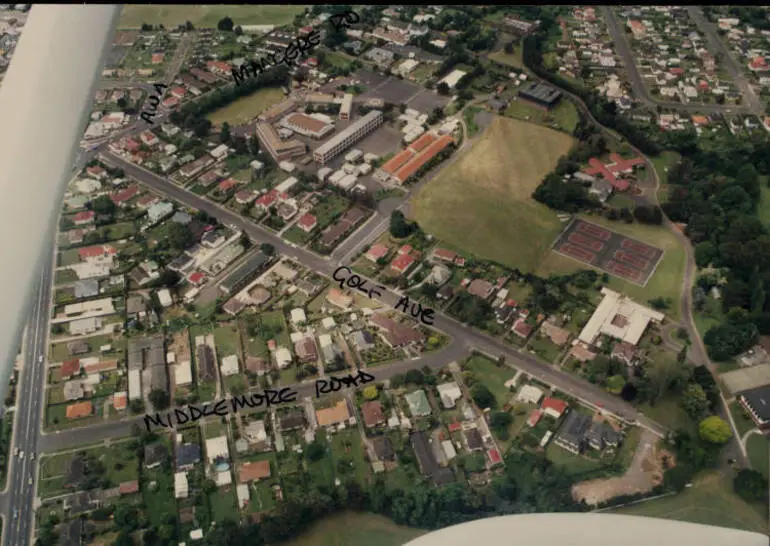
512 59
710 501
492 377
763 210
662 162
355 528
247 108
565 115
207 16
666 282
483 204
758 450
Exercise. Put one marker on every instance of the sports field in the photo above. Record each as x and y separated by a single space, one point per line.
206 16
355 528
665 283
246 108
483 203
710 501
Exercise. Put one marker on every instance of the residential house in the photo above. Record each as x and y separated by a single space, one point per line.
418 403
373 413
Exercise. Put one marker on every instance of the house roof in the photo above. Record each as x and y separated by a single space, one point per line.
292 419
377 251
255 470
402 262
333 415
79 409
307 221
383 448
187 454
473 437
69 368
128 488
418 403
554 404
373 414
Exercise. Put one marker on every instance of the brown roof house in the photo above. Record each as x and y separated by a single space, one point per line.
338 413
394 333
253 471
373 414
480 288
625 352
558 336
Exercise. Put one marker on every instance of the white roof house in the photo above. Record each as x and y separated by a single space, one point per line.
449 449
181 487
255 432
449 393
229 365
85 326
286 185
135 384
619 317
242 491
328 323
164 297
282 357
298 316
323 172
452 78
183 373
529 394
217 447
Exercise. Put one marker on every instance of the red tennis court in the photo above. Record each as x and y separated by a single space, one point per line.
587 242
639 248
632 260
622 271
577 252
594 231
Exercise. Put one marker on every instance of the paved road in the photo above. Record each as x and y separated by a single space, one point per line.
325 266
17 501
637 84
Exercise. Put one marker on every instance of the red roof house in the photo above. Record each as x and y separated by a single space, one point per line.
553 407
85 217
197 277
376 252
402 263
534 417
307 223
69 368
123 196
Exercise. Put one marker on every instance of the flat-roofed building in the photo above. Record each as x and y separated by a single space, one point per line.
745 379
306 125
619 317
346 107
757 402
347 137
278 149
277 111
541 95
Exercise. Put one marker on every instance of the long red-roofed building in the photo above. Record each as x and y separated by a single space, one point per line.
409 160
610 171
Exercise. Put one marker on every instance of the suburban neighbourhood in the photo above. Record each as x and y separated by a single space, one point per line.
542 230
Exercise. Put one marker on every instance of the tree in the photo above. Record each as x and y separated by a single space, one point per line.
508 48
224 134
122 103
615 384
159 399
225 24
714 430
399 226
750 485
371 392
179 237
442 88
267 249
103 205
694 401
482 396
315 451
238 30
500 421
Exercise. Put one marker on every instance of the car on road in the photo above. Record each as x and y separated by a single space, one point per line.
21 455
40 359
16 452
15 513
29 482
32 455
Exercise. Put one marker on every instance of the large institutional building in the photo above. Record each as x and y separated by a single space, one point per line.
349 136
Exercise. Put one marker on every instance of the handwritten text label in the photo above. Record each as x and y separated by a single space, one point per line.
333 384
154 101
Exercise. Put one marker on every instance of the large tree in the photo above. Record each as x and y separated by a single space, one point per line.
714 430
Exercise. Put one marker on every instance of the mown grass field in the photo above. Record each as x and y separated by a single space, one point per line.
483 204
710 501
351 528
565 115
666 282
207 16
245 109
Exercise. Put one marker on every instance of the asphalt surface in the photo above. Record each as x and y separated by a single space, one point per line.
18 498
641 92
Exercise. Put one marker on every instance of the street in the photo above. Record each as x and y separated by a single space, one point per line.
17 501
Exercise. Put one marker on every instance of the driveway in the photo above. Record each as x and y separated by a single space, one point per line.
639 478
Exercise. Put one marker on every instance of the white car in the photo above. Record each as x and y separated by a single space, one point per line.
16 452
40 359
29 482
32 456
21 455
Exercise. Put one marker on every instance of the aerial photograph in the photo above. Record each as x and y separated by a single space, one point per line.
344 275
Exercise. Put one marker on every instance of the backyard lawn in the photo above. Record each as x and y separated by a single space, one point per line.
484 205
493 377
758 449
356 528
207 16
245 109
